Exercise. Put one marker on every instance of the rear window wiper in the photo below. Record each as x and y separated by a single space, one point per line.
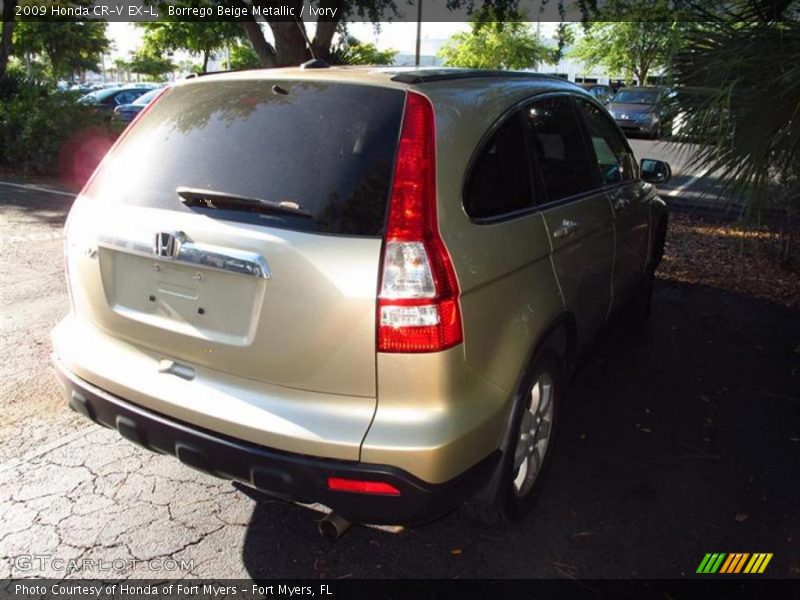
224 200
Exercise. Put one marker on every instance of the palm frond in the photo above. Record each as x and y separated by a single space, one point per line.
739 97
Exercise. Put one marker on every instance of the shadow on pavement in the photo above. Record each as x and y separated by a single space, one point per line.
38 205
678 442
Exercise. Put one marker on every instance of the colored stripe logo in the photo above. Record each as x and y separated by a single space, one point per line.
736 562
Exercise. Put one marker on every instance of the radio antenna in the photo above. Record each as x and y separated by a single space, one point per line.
303 32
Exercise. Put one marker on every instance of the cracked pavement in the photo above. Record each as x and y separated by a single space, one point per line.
94 498
674 444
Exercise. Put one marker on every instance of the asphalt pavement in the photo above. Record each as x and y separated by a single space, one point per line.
693 188
675 443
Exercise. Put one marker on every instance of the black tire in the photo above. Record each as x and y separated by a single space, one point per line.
509 503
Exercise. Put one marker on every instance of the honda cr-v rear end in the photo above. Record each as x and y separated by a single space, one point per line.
363 288
237 265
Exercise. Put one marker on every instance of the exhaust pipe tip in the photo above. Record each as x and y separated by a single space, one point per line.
333 526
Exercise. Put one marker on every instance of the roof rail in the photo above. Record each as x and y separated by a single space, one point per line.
207 73
429 75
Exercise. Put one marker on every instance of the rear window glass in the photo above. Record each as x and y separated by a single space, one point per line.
500 182
326 147
561 153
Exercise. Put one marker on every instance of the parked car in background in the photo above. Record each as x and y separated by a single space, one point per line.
361 287
106 100
82 88
639 110
601 92
127 112
151 85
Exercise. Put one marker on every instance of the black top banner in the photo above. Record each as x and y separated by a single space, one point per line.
391 10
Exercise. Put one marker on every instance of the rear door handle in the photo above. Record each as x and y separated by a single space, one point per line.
566 229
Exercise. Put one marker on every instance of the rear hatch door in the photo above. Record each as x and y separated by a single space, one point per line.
238 226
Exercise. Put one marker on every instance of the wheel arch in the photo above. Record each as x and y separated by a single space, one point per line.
558 337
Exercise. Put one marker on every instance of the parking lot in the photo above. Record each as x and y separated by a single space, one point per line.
680 442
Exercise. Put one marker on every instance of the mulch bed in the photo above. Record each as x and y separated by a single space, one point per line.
729 257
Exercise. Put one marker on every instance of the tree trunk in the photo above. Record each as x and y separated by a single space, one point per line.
640 71
206 55
323 38
9 7
326 28
290 43
264 50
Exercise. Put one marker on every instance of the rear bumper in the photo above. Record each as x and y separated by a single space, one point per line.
293 477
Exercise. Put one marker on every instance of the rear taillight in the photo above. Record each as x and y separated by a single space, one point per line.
418 307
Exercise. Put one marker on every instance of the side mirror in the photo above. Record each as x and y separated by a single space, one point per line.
655 171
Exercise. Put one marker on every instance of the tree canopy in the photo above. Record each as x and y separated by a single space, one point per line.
289 45
152 65
496 45
241 56
628 48
632 38
196 37
68 48
350 51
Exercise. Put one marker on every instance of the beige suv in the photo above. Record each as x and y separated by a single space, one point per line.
363 287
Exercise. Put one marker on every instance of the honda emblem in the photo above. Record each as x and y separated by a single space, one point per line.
167 244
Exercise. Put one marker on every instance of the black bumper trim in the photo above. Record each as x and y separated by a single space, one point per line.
289 476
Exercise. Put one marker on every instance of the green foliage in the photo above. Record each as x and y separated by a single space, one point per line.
565 37
350 51
739 96
290 48
629 48
632 38
36 121
147 62
67 48
496 45
199 38
242 56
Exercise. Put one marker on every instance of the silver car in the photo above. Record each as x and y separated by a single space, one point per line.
638 110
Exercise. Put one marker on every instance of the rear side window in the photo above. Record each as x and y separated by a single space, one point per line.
614 161
500 182
563 160
326 147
